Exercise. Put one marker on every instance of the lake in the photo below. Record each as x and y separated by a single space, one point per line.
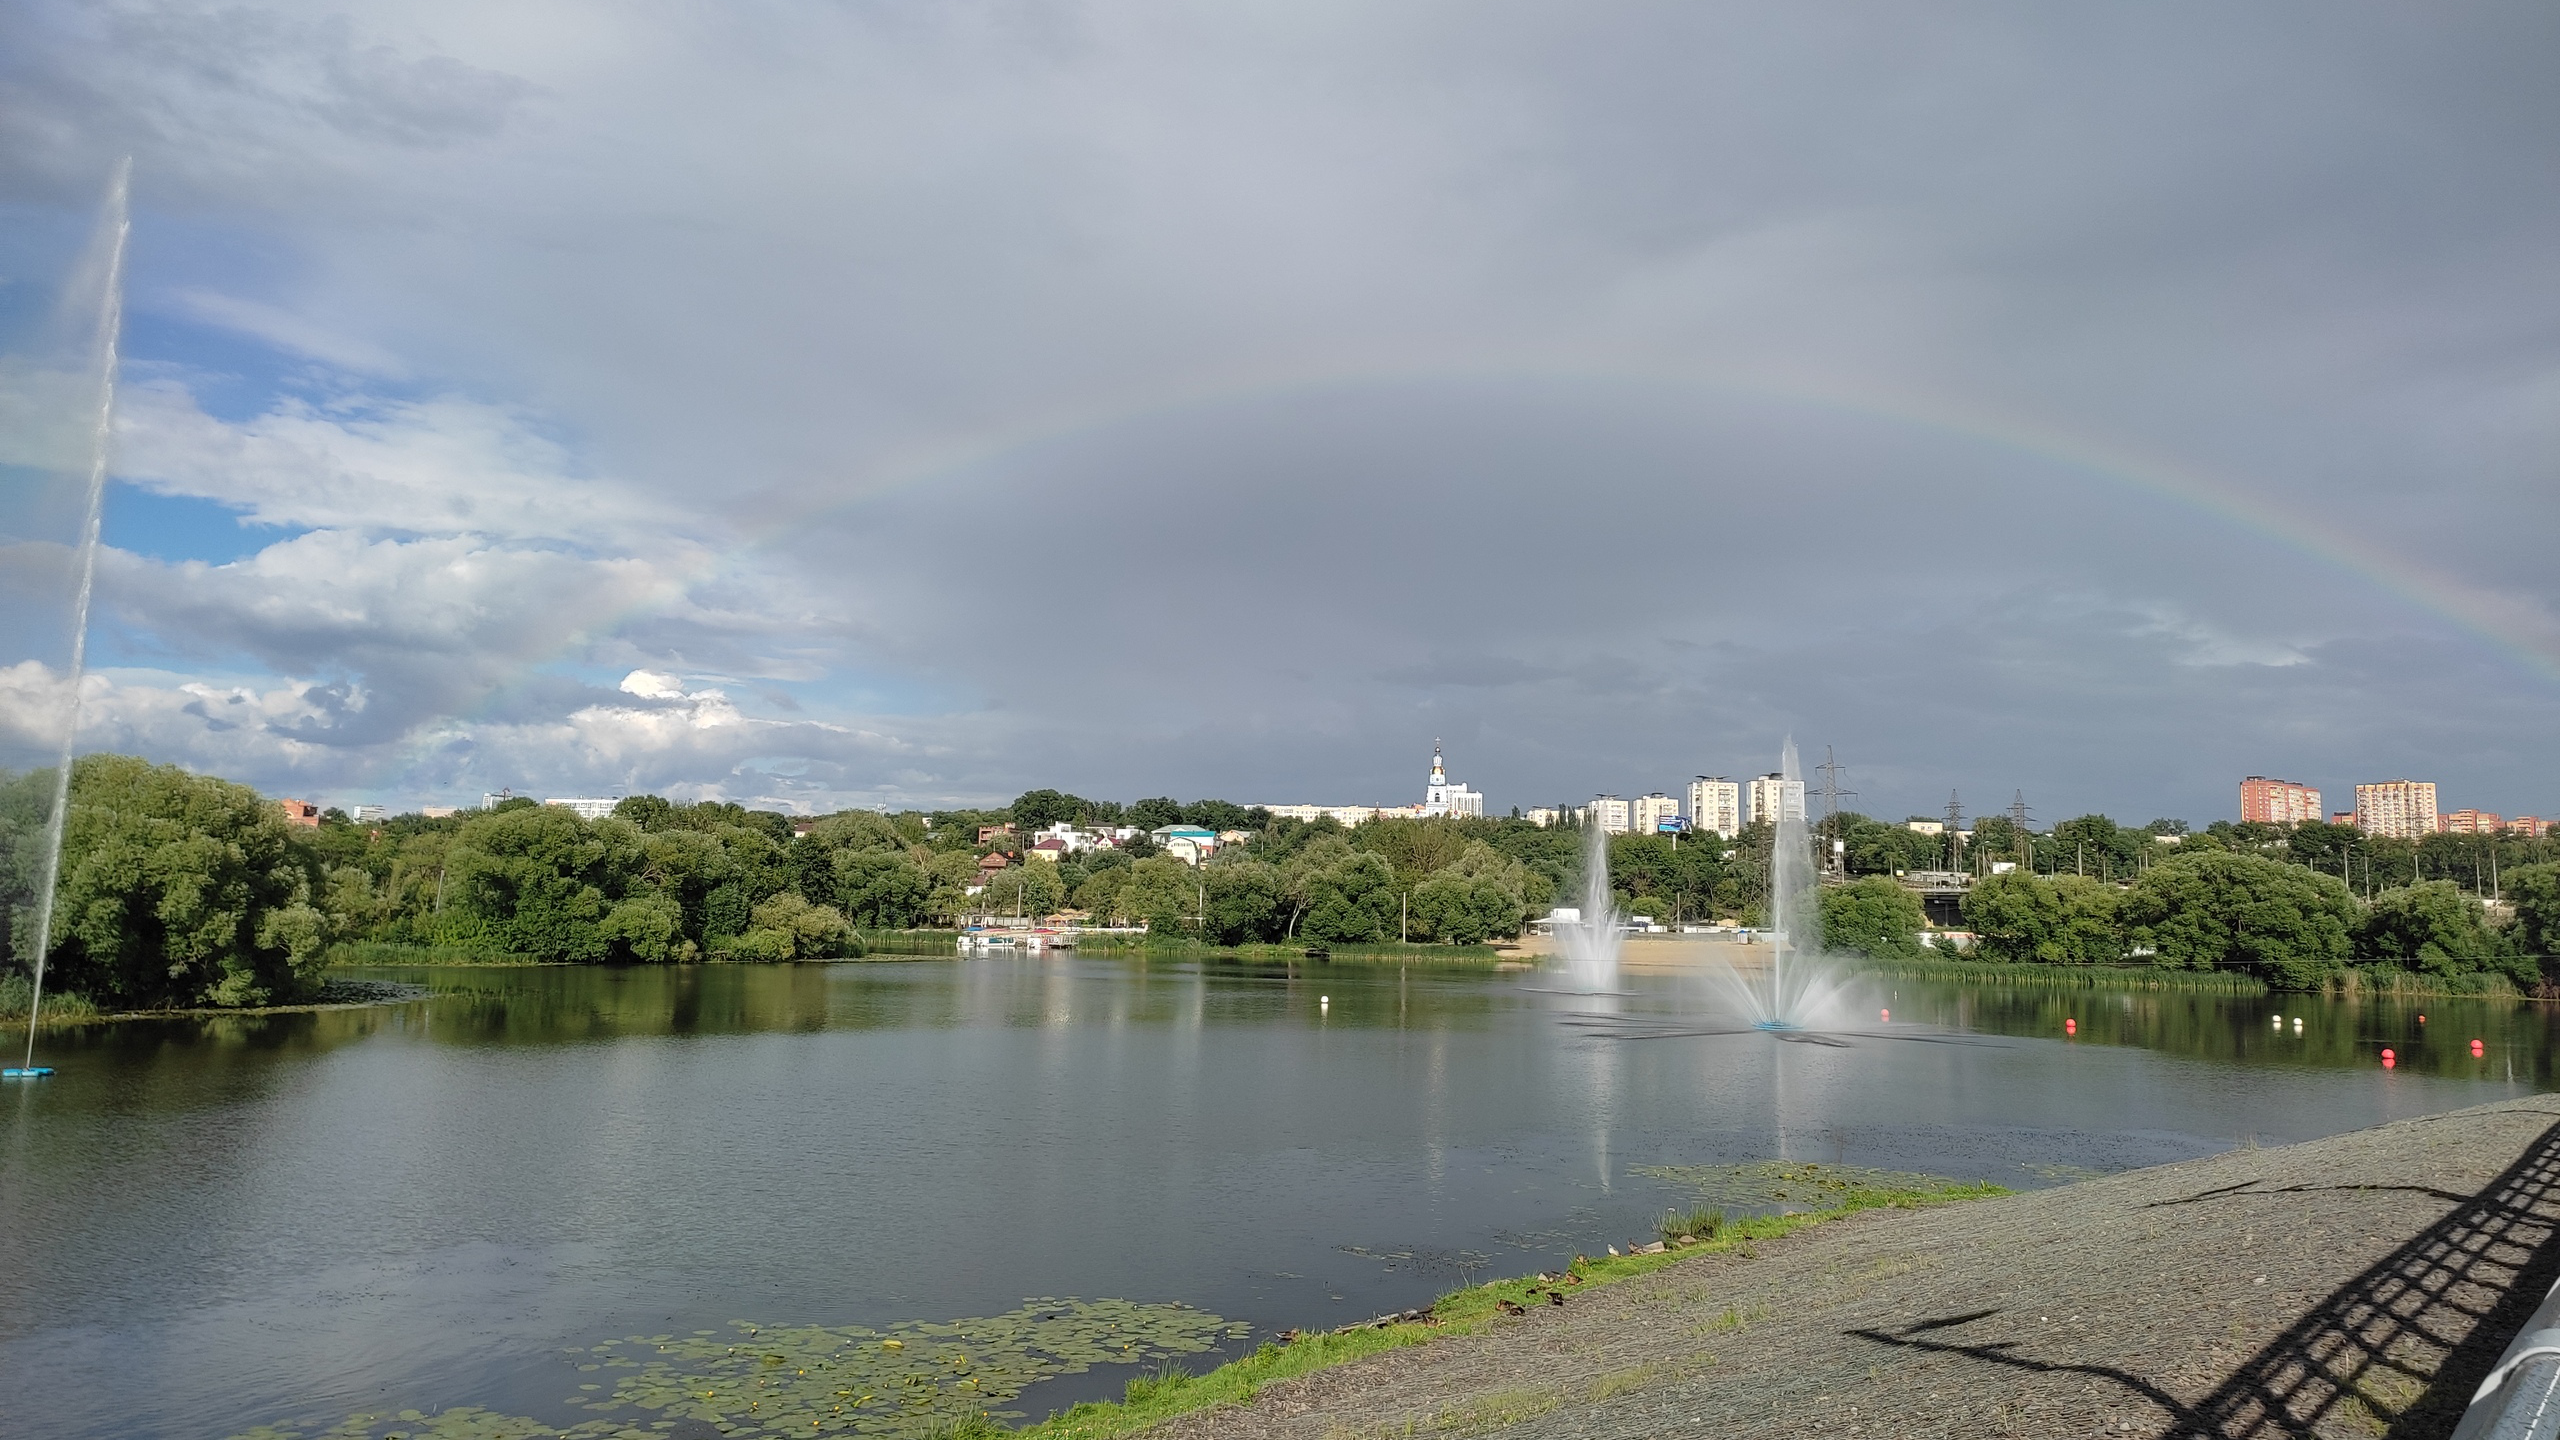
215 1225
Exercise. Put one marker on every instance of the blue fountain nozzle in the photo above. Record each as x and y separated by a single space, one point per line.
26 1072
1772 1025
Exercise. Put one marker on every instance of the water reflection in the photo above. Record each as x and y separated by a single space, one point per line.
242 1218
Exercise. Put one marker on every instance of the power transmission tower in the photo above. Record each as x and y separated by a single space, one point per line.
1832 791
2018 820
1955 823
1833 860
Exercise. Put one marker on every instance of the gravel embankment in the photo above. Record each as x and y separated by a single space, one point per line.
2353 1286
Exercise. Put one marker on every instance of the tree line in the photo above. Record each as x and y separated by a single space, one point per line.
182 889
2249 898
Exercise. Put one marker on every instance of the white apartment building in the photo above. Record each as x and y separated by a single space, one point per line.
588 807
1543 816
1608 812
1775 797
1715 803
2403 809
1649 811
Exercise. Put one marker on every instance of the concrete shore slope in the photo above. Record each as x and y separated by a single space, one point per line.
2359 1285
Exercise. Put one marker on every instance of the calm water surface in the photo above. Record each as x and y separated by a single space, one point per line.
213 1225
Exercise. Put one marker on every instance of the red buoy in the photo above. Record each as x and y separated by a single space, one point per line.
2477 1048
2070 1027
2386 1052
1886 1015
2388 1062
2422 1019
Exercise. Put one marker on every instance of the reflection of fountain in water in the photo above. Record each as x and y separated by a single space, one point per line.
1589 944
75 380
1802 988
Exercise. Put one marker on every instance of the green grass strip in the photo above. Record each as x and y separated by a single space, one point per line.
1152 1399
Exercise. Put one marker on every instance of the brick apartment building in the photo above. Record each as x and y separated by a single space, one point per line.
2277 802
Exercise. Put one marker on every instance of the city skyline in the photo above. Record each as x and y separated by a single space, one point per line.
487 422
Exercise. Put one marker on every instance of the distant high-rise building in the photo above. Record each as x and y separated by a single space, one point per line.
2402 809
1774 797
1715 803
1649 811
2277 802
2471 822
2529 826
1542 816
1608 812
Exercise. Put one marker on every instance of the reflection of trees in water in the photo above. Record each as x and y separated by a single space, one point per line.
2337 1032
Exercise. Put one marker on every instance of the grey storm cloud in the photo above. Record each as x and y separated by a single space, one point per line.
1231 399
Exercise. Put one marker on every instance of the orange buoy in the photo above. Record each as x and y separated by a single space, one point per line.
2422 1019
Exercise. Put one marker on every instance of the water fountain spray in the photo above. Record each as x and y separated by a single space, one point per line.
114 227
1591 943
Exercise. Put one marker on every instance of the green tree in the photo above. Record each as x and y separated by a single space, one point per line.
787 927
1163 892
2214 909
180 889
884 889
1030 890
1873 916
2014 917
2431 927
1353 900
648 927
1040 809
2535 890
1243 897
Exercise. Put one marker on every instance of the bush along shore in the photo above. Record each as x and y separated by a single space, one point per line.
1159 1396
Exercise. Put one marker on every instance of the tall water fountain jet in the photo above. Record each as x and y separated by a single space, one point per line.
1801 987
1590 942
57 401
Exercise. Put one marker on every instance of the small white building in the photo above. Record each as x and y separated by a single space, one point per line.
587 807
1543 816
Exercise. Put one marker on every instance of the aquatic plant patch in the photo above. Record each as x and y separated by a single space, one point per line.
908 1380
1795 1185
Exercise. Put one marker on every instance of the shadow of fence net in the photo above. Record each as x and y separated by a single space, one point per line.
2406 1342
2395 1351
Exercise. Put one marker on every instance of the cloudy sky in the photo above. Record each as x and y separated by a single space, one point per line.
825 404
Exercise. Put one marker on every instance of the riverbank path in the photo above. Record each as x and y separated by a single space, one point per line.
2359 1285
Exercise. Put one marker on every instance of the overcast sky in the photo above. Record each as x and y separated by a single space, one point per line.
829 404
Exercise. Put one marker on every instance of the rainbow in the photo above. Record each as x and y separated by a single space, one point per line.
2512 626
